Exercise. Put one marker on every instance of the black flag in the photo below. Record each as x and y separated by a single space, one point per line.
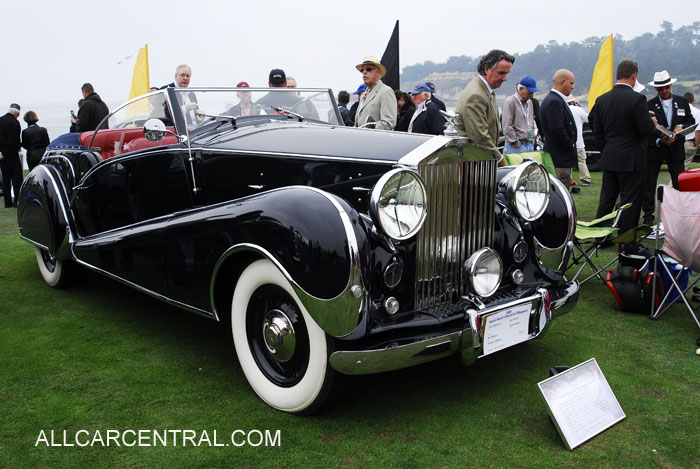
390 60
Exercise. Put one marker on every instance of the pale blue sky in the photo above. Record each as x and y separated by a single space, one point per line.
60 45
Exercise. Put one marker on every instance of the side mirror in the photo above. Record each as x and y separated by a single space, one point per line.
154 130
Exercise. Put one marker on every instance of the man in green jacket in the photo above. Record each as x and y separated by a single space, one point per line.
477 109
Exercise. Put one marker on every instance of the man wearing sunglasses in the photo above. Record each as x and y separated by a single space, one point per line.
673 113
378 103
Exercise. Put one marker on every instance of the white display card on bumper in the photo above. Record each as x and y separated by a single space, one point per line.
506 328
581 403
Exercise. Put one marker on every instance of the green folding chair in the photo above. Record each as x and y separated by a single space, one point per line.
590 237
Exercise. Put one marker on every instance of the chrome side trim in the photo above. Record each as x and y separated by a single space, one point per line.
394 358
40 246
135 286
304 155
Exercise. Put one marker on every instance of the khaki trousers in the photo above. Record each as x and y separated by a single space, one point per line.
583 174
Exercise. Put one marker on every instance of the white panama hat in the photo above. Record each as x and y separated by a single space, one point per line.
662 79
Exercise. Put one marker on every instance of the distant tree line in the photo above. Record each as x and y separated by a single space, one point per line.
677 51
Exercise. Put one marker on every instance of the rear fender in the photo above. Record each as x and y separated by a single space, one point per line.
43 211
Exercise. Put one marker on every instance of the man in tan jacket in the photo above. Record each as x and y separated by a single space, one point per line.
477 109
378 103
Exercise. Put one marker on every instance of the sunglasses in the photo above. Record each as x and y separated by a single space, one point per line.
663 87
367 69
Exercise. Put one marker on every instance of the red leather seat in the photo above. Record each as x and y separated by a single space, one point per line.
114 142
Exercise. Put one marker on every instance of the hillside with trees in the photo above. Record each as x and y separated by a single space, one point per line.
677 51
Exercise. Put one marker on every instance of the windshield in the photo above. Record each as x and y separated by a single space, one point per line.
138 111
200 106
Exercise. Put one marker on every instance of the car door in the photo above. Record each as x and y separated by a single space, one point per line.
121 209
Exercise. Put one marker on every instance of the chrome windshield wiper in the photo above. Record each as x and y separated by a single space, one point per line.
282 110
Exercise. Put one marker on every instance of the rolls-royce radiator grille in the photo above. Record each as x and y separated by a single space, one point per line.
460 220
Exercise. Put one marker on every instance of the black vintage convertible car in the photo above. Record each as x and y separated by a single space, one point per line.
328 249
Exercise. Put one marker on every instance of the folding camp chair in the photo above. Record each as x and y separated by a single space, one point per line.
590 237
680 217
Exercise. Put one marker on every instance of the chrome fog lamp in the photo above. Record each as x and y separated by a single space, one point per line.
527 190
518 276
484 270
398 203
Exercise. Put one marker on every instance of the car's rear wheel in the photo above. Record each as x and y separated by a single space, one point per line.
282 351
56 273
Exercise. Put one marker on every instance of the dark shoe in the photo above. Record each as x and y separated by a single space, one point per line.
575 189
586 183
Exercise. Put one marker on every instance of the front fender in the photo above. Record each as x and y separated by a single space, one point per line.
314 239
42 211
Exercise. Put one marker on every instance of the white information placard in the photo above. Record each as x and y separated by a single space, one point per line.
506 328
581 403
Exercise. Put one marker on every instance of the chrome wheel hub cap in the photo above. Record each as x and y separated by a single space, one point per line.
278 334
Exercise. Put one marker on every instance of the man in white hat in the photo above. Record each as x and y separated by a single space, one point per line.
673 113
378 103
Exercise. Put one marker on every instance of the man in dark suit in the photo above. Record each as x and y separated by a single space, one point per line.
559 127
621 123
673 113
10 161
188 101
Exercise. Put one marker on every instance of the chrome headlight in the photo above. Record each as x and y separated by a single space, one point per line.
398 203
527 189
484 270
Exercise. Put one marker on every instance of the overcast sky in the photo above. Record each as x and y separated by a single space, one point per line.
58 45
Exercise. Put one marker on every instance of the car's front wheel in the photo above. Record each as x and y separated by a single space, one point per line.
56 273
282 351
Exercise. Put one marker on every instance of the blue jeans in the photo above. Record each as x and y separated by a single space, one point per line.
523 147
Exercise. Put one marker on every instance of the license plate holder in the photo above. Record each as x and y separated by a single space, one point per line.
507 327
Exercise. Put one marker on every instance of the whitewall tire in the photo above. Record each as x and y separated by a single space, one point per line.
56 273
282 351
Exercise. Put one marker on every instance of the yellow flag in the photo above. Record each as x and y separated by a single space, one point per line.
602 81
140 84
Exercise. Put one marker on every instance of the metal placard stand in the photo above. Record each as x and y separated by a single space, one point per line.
581 403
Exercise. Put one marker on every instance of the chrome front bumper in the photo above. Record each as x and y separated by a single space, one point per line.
545 306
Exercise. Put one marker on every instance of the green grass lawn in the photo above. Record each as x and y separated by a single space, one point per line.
101 356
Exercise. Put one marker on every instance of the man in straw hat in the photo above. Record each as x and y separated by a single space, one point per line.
672 112
378 103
